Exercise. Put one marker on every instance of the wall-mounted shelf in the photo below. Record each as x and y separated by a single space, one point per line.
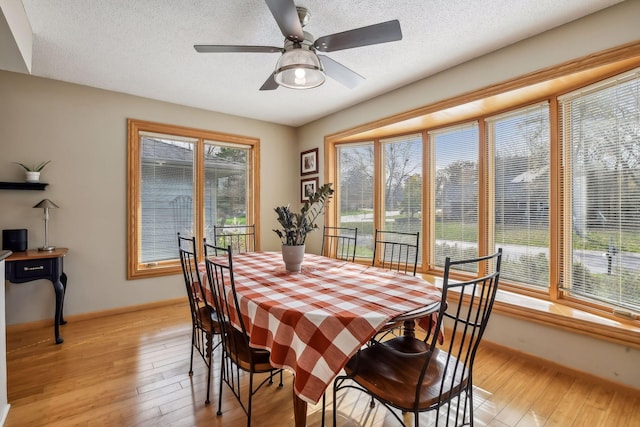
22 185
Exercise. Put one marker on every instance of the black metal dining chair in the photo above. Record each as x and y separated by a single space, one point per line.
241 238
396 250
204 320
339 242
419 375
239 356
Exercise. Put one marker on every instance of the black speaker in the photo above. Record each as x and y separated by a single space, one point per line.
15 240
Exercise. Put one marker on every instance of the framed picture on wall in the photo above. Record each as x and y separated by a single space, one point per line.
308 186
309 162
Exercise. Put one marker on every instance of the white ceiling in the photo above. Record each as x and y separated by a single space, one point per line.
145 47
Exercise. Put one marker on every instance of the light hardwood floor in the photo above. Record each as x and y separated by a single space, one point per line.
132 370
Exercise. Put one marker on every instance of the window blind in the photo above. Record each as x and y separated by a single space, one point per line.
402 191
166 193
454 186
520 146
355 165
601 191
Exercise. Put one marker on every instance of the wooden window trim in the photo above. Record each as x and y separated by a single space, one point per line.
518 301
564 316
135 269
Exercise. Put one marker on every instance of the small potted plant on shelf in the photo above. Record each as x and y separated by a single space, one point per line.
33 172
296 226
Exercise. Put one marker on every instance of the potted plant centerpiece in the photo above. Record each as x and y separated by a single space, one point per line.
33 172
296 226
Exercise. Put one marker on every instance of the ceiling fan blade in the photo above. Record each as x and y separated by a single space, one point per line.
373 34
217 48
270 83
286 15
340 73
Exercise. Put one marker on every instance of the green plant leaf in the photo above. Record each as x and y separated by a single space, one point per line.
41 166
37 168
296 226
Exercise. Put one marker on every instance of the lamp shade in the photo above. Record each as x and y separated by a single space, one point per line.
299 68
46 203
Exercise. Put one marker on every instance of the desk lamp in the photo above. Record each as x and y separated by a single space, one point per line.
46 204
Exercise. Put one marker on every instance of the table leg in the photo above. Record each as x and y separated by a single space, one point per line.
299 411
58 287
409 329
63 280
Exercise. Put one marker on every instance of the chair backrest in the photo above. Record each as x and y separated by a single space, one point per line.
339 242
241 238
192 279
219 265
396 250
464 316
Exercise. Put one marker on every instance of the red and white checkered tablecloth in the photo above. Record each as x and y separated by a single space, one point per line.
313 321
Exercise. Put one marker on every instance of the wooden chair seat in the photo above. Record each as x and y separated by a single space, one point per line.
391 375
208 320
431 374
242 355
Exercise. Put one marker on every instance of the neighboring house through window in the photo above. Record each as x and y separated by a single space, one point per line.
184 180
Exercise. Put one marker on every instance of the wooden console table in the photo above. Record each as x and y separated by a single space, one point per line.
32 265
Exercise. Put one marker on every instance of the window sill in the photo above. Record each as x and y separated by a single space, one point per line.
562 316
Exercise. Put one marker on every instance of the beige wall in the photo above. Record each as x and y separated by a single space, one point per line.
612 27
83 131
609 28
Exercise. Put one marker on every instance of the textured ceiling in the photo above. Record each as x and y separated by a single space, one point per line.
145 47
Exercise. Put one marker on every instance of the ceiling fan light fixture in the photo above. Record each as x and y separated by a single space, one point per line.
299 68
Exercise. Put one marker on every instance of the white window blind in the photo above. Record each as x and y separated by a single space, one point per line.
601 190
520 142
166 193
168 190
355 165
226 189
402 192
455 192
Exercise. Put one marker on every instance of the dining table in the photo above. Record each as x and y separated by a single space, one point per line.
314 320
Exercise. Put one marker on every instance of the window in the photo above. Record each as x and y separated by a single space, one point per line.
546 166
183 180
355 193
399 181
520 141
402 190
455 193
601 135
166 189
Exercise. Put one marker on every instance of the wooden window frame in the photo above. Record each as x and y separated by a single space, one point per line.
558 311
137 269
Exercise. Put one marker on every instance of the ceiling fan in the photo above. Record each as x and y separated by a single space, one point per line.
299 66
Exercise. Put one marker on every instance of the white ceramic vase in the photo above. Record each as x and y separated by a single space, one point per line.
292 257
32 176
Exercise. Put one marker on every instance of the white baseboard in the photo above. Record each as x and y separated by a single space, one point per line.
5 413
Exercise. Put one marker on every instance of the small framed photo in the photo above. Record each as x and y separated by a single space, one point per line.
309 162
308 186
